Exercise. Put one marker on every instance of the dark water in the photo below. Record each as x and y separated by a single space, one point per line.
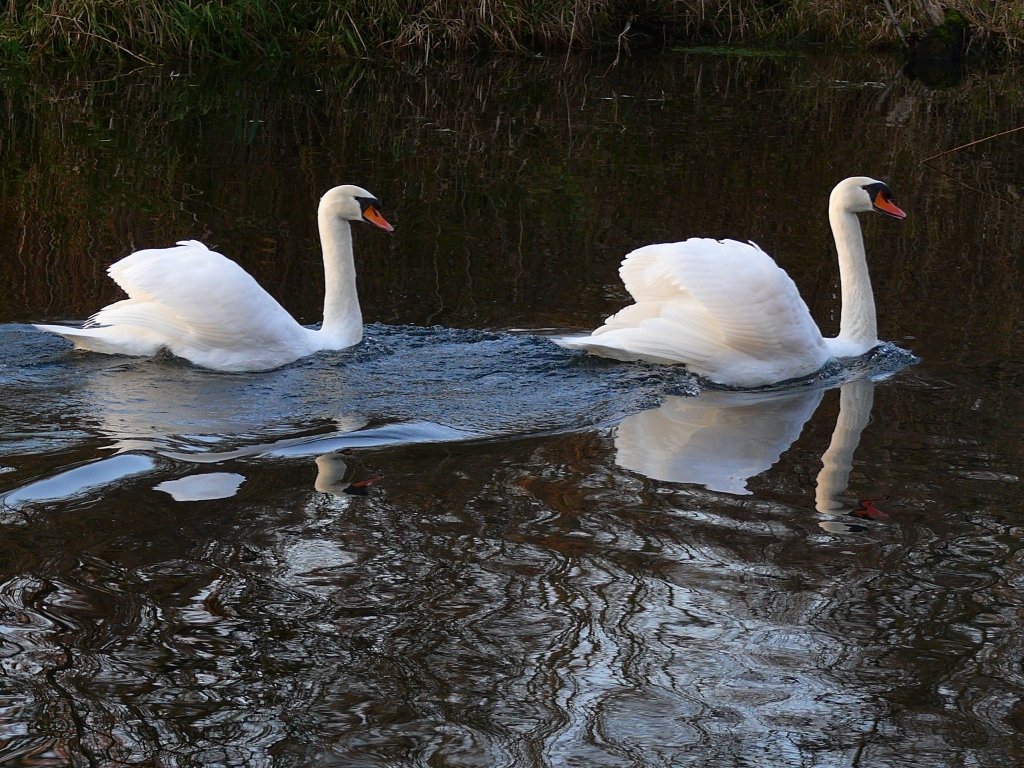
460 546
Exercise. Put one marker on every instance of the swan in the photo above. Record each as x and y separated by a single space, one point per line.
731 315
196 304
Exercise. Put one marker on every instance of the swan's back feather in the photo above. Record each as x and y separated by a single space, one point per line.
189 291
723 308
755 304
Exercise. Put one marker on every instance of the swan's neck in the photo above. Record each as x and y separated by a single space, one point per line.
343 321
857 324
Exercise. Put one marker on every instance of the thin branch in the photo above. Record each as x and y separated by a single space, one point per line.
356 28
895 21
572 35
979 190
971 144
622 41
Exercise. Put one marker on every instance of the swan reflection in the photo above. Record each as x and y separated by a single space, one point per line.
718 439
722 439
161 419
331 469
203 487
332 476
855 401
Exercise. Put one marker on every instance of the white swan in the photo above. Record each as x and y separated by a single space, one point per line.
730 314
196 304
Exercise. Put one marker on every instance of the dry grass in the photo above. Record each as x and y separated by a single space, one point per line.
161 30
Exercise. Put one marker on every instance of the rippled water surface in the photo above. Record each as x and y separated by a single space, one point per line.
458 544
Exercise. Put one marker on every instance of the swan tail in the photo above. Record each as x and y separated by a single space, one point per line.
631 316
650 344
137 341
673 331
110 340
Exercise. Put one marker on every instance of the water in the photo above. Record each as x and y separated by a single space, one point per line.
458 544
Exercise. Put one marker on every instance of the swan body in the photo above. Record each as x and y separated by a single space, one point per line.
730 314
196 304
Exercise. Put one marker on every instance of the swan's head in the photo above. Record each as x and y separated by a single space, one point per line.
860 194
355 204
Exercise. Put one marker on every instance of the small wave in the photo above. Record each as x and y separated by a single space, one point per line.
73 482
877 363
474 383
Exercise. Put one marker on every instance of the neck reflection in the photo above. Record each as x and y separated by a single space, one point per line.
855 401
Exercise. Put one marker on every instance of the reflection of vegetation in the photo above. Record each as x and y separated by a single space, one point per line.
738 50
514 194
155 30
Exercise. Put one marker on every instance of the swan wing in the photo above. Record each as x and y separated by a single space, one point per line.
755 304
190 293
723 308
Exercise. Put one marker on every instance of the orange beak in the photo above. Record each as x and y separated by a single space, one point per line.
887 206
372 215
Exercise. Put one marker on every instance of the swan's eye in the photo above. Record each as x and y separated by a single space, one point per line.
366 202
876 189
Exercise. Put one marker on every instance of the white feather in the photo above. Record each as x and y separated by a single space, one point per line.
729 313
723 308
197 304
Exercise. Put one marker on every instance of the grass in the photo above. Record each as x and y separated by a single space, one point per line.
155 31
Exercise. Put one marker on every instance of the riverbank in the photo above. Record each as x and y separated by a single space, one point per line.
154 31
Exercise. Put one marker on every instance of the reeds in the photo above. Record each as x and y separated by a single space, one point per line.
515 191
161 30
